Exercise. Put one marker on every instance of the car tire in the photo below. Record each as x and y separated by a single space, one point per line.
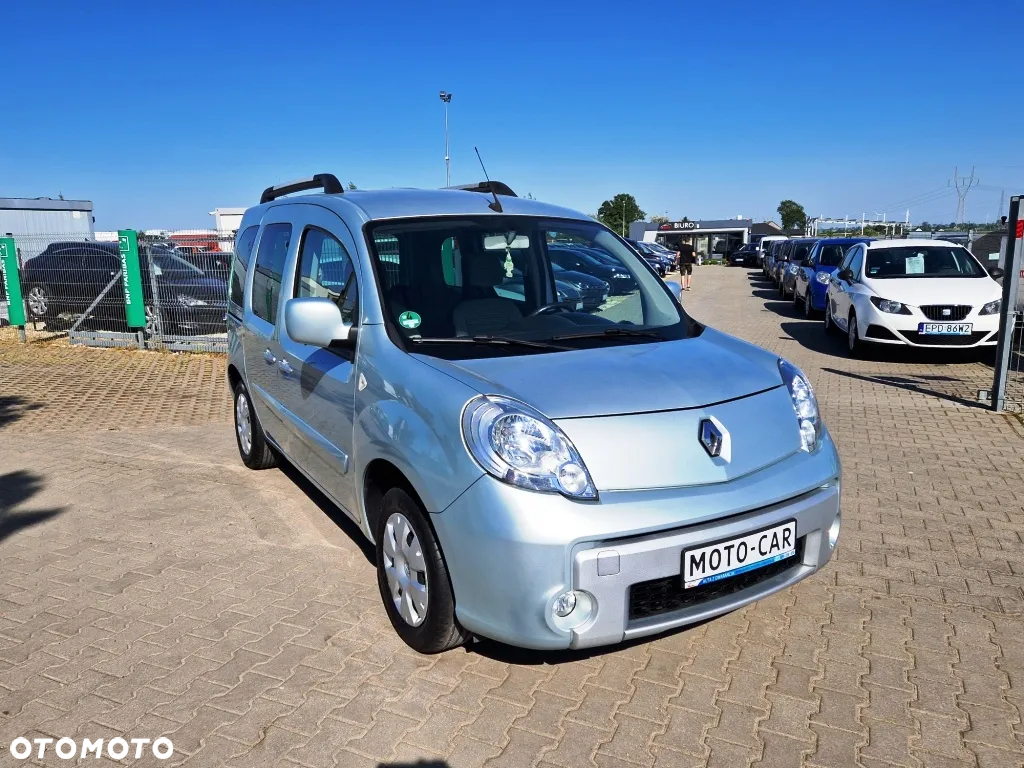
797 301
808 307
407 553
853 343
256 453
39 302
830 325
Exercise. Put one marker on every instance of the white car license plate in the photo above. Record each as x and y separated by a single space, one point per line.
734 556
579 305
945 329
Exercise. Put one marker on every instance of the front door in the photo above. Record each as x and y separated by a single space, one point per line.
319 385
262 320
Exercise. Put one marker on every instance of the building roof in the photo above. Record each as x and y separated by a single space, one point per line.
765 228
44 204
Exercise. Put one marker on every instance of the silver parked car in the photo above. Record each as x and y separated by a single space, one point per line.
528 471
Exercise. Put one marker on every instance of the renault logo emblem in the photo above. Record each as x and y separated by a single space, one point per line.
711 438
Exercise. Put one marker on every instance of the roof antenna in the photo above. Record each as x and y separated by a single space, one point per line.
495 206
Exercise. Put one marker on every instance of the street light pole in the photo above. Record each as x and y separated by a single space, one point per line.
447 99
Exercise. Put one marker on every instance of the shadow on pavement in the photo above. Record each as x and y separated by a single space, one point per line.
16 488
811 335
13 408
926 385
417 764
328 507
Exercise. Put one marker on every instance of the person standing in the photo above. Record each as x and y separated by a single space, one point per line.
687 257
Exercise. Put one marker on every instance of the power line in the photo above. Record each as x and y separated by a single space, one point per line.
962 186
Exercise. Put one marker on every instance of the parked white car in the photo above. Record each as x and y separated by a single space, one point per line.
921 293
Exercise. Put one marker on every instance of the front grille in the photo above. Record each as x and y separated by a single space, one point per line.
653 598
938 311
944 341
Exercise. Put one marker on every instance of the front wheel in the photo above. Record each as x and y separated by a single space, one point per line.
830 324
39 302
413 578
853 343
808 307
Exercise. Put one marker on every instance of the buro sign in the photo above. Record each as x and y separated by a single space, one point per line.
680 225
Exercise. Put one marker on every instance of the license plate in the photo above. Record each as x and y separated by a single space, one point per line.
579 305
944 329
735 556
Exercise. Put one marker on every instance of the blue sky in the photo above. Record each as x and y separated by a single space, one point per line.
712 110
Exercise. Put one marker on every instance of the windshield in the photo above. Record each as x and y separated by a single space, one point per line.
831 255
446 282
165 261
922 261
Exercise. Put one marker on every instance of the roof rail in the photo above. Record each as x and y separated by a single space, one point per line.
326 181
484 187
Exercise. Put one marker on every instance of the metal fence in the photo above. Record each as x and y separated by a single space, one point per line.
80 287
1008 378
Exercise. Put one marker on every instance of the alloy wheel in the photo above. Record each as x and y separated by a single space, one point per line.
243 423
37 301
808 310
152 321
851 337
406 570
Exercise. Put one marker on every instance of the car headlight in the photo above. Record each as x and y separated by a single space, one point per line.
804 403
519 446
992 308
793 269
890 307
190 301
823 277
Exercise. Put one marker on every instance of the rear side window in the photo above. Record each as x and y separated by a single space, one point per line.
240 263
266 280
830 255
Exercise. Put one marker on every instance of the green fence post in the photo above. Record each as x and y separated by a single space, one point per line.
12 285
131 281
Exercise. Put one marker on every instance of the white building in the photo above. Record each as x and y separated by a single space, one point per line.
227 219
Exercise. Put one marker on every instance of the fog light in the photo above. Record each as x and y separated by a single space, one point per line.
564 604
833 533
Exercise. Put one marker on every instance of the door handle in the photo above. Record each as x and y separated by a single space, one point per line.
268 356
286 368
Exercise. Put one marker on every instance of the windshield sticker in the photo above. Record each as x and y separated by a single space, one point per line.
509 265
915 264
409 320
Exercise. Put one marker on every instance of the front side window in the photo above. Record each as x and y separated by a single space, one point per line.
326 271
450 287
857 261
800 251
266 279
922 261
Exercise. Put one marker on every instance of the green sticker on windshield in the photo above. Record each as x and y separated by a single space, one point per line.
409 320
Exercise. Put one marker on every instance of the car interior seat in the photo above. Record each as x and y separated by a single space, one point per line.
482 311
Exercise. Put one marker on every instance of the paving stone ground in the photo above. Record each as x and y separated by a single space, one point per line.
150 585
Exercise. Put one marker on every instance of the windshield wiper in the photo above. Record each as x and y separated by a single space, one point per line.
610 332
500 340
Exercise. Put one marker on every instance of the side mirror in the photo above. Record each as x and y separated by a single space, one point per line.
996 273
846 275
317 322
676 287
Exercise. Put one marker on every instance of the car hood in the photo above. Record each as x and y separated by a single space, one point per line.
918 291
580 279
628 378
205 288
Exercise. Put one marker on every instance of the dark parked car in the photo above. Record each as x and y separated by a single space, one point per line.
579 260
659 263
745 256
593 290
69 279
798 252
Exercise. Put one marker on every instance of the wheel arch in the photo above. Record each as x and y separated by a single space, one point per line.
379 477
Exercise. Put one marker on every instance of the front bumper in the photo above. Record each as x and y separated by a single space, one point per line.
510 552
880 327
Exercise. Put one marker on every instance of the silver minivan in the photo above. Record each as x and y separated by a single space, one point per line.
528 471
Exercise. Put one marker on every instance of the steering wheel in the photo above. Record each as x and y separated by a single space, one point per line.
554 306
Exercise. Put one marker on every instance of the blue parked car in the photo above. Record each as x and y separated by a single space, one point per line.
817 269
